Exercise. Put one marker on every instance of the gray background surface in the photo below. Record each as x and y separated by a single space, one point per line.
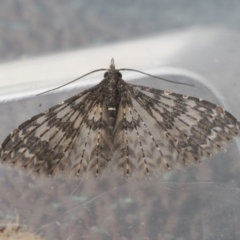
30 28
200 202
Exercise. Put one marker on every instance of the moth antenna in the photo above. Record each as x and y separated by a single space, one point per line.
164 79
98 70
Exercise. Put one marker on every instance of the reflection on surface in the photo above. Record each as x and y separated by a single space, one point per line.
193 203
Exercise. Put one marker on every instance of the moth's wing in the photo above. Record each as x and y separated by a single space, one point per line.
64 138
159 130
139 145
92 149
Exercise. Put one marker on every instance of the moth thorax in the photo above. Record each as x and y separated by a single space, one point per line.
112 101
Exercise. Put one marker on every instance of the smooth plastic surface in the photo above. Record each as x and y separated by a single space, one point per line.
200 202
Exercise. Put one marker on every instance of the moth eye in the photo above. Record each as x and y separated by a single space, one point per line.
105 74
119 74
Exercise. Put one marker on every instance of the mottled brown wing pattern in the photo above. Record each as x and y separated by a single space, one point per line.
92 149
69 138
165 131
138 149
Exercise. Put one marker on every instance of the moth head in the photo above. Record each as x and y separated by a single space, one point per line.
112 71
108 74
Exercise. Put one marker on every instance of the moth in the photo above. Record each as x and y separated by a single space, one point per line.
131 129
